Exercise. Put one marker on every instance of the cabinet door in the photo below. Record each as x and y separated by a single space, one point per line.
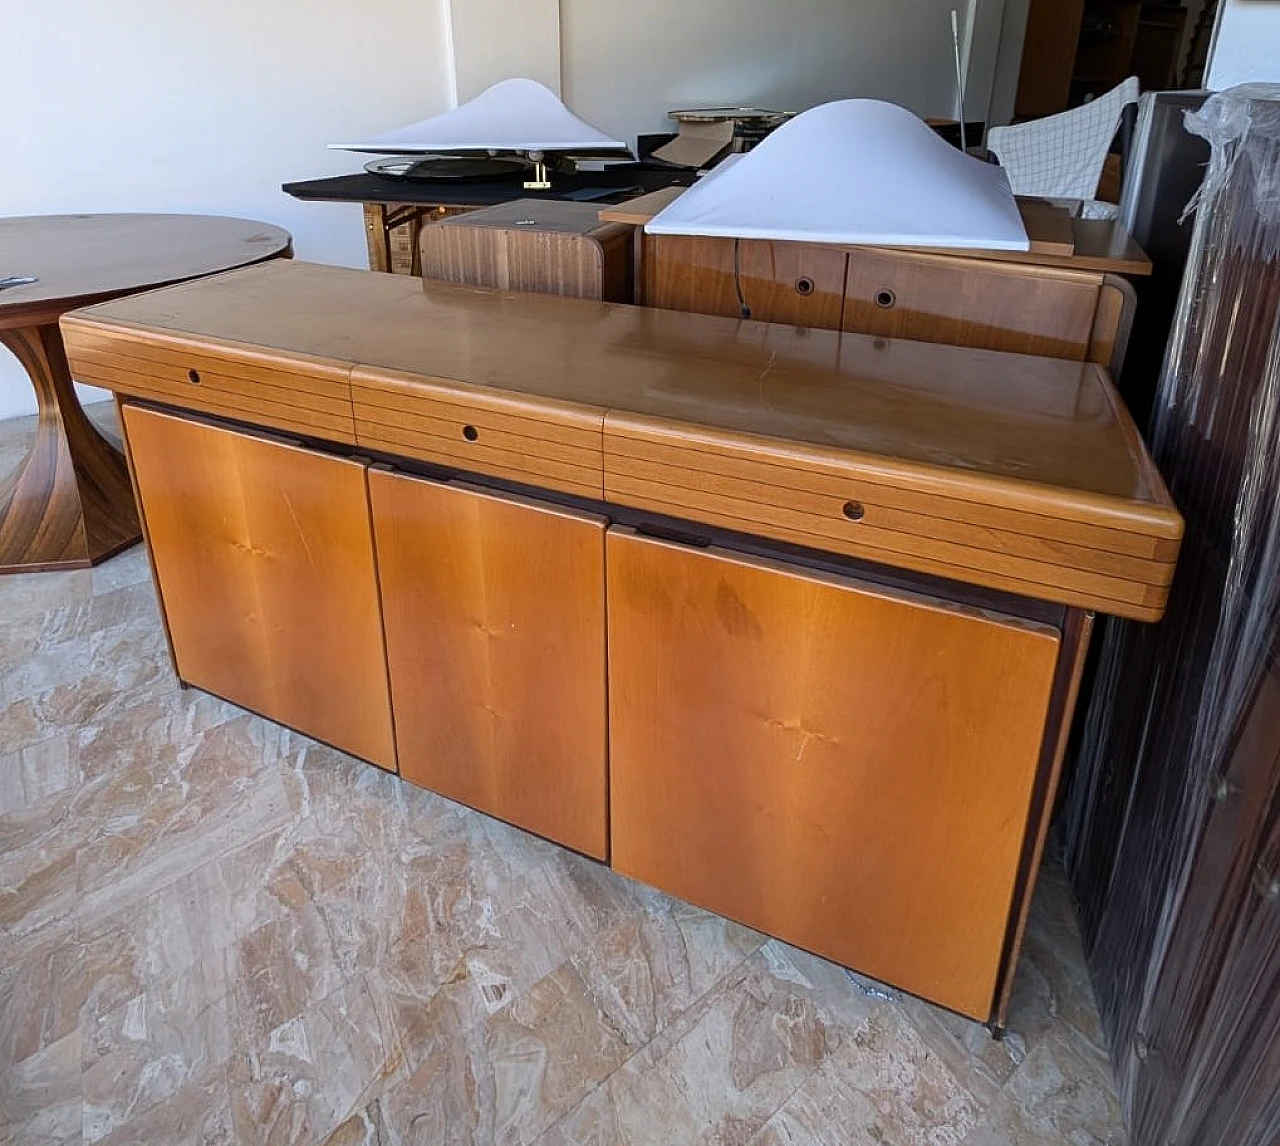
494 611
264 560
845 768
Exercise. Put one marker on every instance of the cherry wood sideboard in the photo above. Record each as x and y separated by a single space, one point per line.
1063 298
786 622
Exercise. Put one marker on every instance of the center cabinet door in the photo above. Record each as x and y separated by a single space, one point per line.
844 767
495 625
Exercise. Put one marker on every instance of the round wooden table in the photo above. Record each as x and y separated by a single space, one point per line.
70 504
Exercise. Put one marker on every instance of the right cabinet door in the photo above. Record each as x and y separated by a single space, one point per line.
494 614
844 767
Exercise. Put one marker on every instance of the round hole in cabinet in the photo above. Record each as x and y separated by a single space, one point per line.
854 510
193 376
885 298
804 286
470 433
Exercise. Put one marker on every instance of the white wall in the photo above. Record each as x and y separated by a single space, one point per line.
205 106
1246 44
624 64
494 40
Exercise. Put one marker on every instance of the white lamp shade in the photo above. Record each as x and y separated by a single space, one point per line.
856 171
514 115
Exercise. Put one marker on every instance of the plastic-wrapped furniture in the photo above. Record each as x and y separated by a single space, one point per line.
1173 813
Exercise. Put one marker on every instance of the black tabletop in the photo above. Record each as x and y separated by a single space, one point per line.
614 185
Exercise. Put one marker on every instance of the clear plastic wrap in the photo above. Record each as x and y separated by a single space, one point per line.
1172 815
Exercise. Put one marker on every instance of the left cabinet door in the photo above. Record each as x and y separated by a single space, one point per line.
495 620
263 554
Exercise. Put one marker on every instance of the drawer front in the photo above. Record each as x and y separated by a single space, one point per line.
777 282
552 445
968 302
862 511
298 395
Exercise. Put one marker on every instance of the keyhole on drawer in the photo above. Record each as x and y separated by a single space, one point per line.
885 299
854 510
193 376
470 433
804 286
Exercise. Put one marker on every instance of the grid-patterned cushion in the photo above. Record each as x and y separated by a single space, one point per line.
1061 156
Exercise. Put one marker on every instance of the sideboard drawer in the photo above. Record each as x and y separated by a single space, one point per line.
302 395
536 441
841 502
968 302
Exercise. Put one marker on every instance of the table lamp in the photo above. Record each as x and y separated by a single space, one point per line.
515 116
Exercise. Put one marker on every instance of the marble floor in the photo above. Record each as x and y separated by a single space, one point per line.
213 930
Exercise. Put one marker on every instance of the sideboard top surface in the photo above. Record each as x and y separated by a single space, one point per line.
1051 423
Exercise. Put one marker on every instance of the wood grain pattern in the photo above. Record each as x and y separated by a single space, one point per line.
952 298
495 619
966 302
286 393
532 245
68 504
794 283
556 445
1112 323
78 259
1021 473
638 211
842 768
264 560
393 230
647 468
1048 55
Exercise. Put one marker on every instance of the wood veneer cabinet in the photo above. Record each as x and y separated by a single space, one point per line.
844 767
495 617
786 621
263 556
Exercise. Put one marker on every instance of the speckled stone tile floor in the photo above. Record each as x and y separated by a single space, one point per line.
214 930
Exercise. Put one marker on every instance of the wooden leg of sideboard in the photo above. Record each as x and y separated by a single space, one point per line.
1076 631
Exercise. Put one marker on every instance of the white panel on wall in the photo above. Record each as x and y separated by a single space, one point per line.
206 106
1246 44
625 64
503 39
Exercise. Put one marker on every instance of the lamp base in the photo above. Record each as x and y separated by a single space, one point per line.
541 180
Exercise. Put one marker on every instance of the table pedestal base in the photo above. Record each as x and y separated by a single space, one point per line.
70 503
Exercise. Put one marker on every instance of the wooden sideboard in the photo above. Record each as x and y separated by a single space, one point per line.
1066 297
534 245
786 622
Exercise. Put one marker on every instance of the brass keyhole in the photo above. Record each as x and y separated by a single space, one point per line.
885 299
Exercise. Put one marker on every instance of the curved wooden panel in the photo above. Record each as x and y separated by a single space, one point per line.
69 503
